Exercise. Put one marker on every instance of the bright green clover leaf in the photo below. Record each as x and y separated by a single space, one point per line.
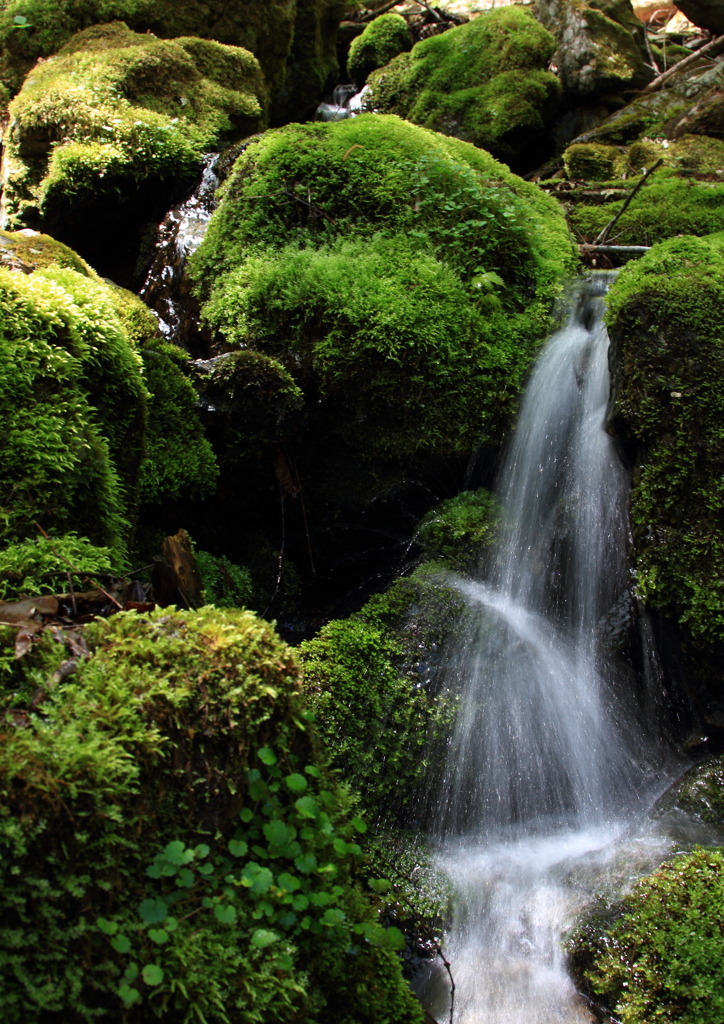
158 935
107 927
288 882
257 878
129 995
296 782
225 913
359 825
121 944
380 885
266 755
306 806
262 938
238 848
152 974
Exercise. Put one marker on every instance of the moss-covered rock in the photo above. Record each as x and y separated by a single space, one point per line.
659 956
667 331
592 161
461 530
293 40
485 82
374 683
365 289
129 807
383 39
85 440
600 45
121 112
698 794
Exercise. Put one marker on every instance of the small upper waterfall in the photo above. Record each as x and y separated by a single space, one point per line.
548 761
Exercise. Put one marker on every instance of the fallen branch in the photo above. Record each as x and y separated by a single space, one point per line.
644 178
650 52
380 10
710 49
614 250
429 10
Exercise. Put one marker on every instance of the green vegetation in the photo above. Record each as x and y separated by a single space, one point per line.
383 39
592 161
225 585
115 106
40 566
667 205
85 441
172 844
485 82
667 327
460 530
376 295
663 958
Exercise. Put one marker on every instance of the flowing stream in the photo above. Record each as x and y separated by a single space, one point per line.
554 758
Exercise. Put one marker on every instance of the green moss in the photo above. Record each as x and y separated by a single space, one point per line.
662 959
368 679
484 82
225 585
383 39
40 566
342 292
117 105
667 328
30 250
155 756
591 161
698 794
667 205
460 530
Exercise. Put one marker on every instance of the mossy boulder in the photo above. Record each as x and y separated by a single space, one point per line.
131 795
485 82
657 955
600 45
591 161
117 112
667 330
407 324
85 440
294 40
383 39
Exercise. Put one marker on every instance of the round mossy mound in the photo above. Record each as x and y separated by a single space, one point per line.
402 278
666 322
181 848
383 39
485 82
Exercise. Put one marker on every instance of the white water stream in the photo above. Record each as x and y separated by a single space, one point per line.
551 763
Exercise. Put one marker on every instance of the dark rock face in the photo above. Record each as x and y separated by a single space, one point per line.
698 795
704 13
600 45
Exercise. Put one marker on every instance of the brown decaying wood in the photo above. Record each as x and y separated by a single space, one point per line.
181 560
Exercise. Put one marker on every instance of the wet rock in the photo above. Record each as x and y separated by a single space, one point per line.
698 794
600 45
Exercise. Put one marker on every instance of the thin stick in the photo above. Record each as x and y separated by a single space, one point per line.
644 178
76 569
710 49
380 10
652 60
429 10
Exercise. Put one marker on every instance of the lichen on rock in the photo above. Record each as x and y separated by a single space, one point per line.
485 82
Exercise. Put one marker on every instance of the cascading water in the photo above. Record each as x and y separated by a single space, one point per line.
548 764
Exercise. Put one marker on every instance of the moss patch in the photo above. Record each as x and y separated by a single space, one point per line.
667 205
383 39
591 161
137 793
115 105
667 329
662 958
485 82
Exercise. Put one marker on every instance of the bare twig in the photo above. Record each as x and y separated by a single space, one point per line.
644 178
429 10
615 250
710 49
650 52
380 10
76 569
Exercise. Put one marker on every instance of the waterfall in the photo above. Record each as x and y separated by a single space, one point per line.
549 762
